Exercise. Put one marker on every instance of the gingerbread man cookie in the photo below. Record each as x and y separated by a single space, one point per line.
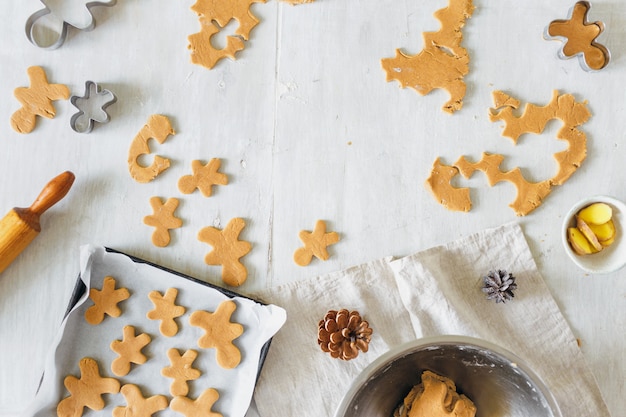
227 250
137 404
163 220
86 391
181 371
203 177
219 333
315 244
105 301
36 100
200 407
129 351
165 310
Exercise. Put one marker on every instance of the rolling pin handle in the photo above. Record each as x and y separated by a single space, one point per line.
52 193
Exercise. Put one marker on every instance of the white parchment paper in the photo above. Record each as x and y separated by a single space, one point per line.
77 339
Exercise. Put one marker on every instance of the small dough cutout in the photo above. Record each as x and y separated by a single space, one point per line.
181 371
219 333
129 351
200 407
165 310
105 301
86 391
137 404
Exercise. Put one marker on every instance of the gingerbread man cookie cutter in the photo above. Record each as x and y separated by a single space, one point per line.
91 107
579 37
47 28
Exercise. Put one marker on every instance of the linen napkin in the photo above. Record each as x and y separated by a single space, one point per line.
433 292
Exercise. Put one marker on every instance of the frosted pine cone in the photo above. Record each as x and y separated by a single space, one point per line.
343 333
499 286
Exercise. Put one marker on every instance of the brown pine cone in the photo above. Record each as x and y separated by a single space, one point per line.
343 333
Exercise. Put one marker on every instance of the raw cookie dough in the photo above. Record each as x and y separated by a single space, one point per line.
213 17
315 244
86 391
442 63
227 250
36 100
159 128
533 120
435 396
105 301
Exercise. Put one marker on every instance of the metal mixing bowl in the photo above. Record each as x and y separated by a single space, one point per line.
498 382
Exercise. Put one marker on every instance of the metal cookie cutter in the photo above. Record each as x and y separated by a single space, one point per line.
579 37
47 28
92 107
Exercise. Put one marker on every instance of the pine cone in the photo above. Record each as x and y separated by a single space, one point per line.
343 333
499 285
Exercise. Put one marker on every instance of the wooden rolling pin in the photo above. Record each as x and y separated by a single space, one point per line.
21 225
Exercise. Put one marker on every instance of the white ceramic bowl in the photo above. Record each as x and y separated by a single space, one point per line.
609 259
498 382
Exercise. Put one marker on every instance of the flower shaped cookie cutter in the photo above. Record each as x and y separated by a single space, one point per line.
92 107
47 28
579 37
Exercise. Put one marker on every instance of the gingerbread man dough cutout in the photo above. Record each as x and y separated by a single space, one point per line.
200 407
166 310
203 177
163 220
105 301
315 244
129 351
227 250
137 404
181 371
219 333
86 391
158 128
36 100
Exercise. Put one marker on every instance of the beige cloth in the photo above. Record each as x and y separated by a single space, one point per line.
433 292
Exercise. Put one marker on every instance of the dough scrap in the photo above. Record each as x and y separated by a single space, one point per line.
129 351
580 37
442 63
137 404
203 177
181 371
533 120
202 50
227 250
86 391
315 244
166 310
158 128
200 407
36 100
163 220
213 16
219 333
105 301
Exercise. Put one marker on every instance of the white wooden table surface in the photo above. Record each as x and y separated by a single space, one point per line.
307 128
